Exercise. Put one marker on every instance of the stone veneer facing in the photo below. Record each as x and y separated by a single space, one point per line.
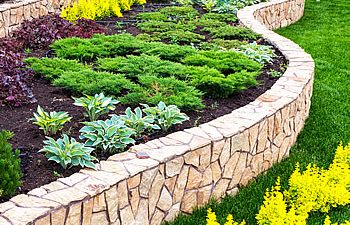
186 168
14 13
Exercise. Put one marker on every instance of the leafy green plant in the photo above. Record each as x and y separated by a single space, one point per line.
138 122
136 66
101 46
179 13
217 87
68 152
154 16
52 68
51 122
111 135
119 25
229 32
226 62
10 169
221 45
225 17
165 116
161 26
147 37
274 73
169 52
179 37
96 47
207 23
208 5
170 90
260 53
91 82
221 86
9 134
185 2
96 106
228 44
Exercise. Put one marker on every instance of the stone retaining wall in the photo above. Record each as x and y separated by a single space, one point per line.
14 13
187 168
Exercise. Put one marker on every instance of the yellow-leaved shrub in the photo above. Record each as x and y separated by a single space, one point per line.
314 189
95 9
211 219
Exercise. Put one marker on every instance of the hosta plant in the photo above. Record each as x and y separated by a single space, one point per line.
262 54
50 122
138 122
111 135
96 106
165 116
68 152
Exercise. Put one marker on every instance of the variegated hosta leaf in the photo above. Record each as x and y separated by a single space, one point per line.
68 152
51 122
165 116
109 135
96 105
137 122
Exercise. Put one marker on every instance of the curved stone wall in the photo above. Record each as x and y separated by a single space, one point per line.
187 168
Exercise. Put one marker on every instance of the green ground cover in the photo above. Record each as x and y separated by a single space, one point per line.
324 33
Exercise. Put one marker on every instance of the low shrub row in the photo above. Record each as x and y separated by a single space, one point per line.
220 6
313 190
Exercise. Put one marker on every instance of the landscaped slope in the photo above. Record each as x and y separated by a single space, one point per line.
324 32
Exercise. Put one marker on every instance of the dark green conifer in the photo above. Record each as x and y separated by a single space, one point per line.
10 168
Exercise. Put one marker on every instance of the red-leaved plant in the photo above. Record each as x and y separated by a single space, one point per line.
36 34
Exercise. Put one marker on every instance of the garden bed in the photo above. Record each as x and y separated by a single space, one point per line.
187 168
37 170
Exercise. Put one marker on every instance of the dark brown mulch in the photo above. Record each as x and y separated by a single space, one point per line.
37 170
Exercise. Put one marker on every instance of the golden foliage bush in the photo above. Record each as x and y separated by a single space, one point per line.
95 9
314 189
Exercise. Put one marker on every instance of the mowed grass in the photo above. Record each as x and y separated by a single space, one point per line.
324 32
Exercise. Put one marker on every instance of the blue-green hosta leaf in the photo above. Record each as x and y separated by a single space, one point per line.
138 112
127 141
90 136
76 161
55 158
96 143
161 105
155 127
112 131
86 129
90 165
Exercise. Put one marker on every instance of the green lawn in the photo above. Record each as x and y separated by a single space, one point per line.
324 32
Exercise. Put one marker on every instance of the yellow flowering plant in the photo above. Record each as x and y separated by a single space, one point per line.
314 189
95 9
211 219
